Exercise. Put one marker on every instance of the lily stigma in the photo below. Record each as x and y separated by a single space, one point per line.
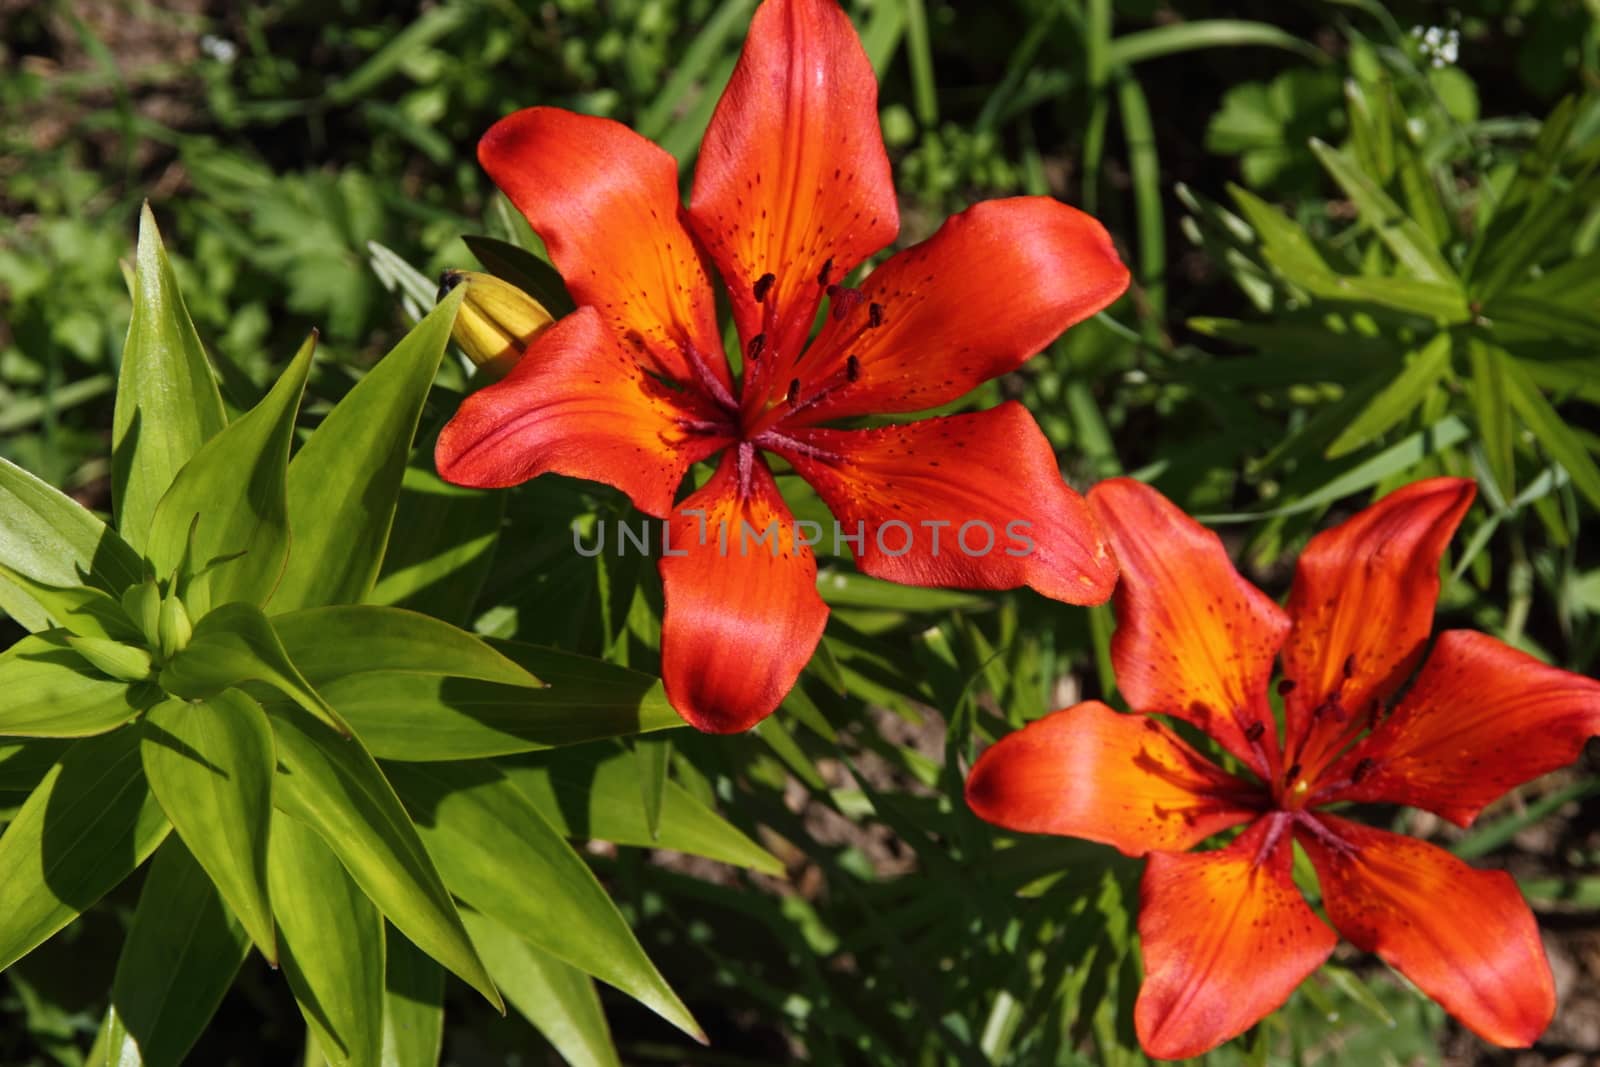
792 193
1226 934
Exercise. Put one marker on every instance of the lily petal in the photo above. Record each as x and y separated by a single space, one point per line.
792 175
1226 938
1362 607
605 201
994 286
742 614
1464 936
578 404
1480 719
1122 780
974 501
1193 639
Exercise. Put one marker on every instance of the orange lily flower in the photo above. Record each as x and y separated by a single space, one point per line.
1226 936
791 193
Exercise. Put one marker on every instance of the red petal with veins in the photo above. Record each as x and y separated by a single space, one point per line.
578 404
994 286
1464 936
605 201
1193 639
792 174
1122 780
1226 938
973 501
1480 719
1362 608
742 613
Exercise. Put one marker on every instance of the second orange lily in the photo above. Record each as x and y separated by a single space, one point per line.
792 192
1226 935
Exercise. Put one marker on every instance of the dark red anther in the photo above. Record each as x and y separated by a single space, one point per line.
794 392
1292 773
1363 768
1285 686
822 275
844 300
1253 732
764 286
757 345
1350 666
852 369
875 315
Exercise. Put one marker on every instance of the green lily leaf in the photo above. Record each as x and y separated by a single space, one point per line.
235 484
48 539
557 998
419 717
51 692
83 609
167 400
499 855
181 955
413 1013
234 644
444 559
210 764
1396 400
24 764
1557 438
591 793
87 826
1393 226
330 643
651 759
331 784
345 480
331 945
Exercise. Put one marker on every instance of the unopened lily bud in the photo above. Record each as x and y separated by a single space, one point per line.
497 321
113 658
175 627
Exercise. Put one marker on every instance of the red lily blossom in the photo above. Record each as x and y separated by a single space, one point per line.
791 193
1226 935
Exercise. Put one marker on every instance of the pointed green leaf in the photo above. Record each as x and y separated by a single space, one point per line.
49 691
585 793
331 784
1493 413
428 717
210 764
236 485
167 400
178 961
499 855
329 643
413 1012
81 609
557 998
234 644
345 480
330 938
444 559
1393 226
48 538
87 826
1397 399
1557 438
652 757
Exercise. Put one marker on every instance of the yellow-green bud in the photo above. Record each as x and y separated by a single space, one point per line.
175 629
142 604
497 321
113 658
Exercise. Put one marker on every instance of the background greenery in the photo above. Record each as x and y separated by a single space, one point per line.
1363 255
